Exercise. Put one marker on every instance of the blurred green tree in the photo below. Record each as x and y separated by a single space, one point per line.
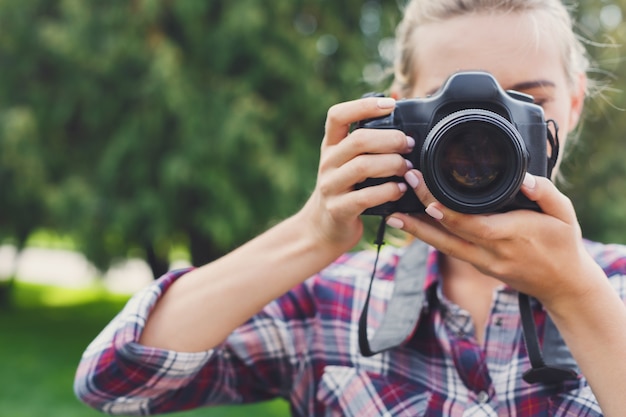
22 183
594 172
193 123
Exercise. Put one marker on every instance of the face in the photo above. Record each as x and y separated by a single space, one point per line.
507 46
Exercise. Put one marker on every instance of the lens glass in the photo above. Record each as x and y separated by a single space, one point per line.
473 158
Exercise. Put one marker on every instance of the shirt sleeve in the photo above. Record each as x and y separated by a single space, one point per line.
117 375
612 259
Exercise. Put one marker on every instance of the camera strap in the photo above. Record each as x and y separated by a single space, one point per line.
407 299
553 140
406 304
540 372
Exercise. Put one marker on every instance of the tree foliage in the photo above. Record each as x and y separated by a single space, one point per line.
595 169
139 125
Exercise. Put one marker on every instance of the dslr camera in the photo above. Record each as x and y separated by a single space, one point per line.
474 144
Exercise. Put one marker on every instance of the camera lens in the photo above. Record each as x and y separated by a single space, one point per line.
473 158
474 161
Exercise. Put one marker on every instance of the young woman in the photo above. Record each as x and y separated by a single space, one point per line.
279 315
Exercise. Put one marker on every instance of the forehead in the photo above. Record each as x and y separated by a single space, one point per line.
514 47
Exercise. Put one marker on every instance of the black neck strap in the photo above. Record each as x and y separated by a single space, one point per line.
553 140
540 372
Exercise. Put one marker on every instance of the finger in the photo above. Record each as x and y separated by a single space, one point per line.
360 168
432 232
550 200
469 227
415 180
341 116
481 229
368 141
355 202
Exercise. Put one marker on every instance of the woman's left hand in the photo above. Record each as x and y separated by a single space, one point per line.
538 253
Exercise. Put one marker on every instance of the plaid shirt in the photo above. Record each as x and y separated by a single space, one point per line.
304 347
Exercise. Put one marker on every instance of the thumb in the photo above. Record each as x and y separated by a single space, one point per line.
549 199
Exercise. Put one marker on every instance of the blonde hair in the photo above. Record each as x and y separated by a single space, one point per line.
420 12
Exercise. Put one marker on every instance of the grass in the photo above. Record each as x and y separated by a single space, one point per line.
41 340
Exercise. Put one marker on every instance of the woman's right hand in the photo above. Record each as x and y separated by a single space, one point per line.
241 283
348 158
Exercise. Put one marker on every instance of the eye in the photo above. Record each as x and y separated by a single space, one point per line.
543 101
542 97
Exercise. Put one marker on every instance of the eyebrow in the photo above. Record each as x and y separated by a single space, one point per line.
528 85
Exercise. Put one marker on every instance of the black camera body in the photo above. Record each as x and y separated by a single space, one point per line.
474 144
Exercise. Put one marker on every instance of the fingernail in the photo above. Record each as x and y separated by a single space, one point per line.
529 181
402 187
409 164
434 212
412 179
410 142
386 103
395 223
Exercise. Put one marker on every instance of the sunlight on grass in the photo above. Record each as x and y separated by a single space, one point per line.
50 296
44 238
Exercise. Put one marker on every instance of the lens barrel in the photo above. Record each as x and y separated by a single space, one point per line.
474 161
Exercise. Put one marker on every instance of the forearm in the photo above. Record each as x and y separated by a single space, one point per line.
203 307
206 305
594 328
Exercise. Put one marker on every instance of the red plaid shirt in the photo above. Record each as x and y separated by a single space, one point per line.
304 347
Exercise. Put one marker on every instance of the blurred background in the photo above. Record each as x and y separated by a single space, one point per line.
141 135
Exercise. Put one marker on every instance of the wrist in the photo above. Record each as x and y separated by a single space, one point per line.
583 293
325 230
